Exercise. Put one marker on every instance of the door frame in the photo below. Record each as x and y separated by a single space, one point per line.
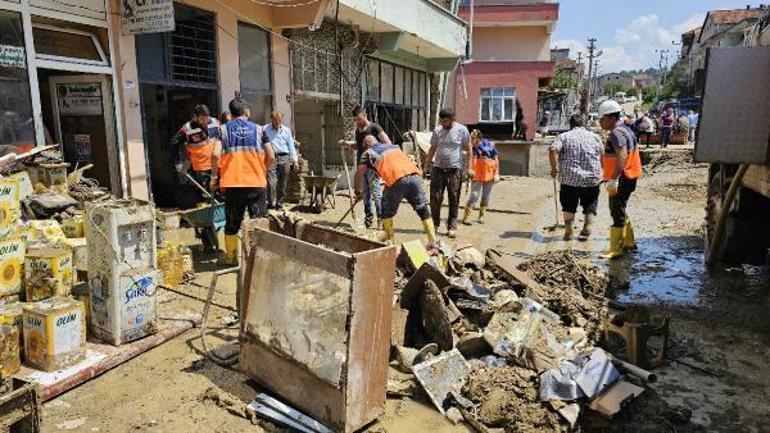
113 155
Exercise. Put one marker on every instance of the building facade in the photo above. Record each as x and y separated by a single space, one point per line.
509 59
112 95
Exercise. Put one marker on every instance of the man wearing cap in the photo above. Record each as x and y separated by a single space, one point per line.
622 167
451 147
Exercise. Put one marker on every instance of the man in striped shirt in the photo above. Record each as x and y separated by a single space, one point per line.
575 157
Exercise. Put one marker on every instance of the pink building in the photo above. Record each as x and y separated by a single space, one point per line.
509 60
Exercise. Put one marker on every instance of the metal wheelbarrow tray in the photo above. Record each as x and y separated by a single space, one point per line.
212 215
316 317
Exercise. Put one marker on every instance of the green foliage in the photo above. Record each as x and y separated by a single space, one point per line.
675 85
563 80
649 93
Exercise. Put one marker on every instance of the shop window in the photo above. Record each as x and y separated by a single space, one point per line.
17 132
254 63
53 43
386 83
497 104
373 81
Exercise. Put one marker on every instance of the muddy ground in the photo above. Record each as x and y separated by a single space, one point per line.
720 327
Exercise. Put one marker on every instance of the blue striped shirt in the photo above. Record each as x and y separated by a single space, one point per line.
281 140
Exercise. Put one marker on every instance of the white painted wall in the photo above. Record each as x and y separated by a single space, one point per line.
521 44
421 17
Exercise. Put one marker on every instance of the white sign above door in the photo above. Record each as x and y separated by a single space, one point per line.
147 16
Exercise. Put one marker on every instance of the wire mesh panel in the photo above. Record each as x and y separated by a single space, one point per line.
193 47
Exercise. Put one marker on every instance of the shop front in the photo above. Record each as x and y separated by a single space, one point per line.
57 86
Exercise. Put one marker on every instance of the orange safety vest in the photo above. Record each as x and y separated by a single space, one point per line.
391 163
199 144
633 168
242 164
485 161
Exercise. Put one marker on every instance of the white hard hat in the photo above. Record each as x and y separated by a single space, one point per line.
609 107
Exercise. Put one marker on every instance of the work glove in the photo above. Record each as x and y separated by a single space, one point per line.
496 179
214 184
180 168
612 187
469 175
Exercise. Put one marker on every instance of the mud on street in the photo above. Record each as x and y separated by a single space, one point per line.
714 378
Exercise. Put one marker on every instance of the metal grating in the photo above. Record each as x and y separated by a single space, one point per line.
193 50
733 126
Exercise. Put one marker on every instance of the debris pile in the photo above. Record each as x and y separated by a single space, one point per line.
507 345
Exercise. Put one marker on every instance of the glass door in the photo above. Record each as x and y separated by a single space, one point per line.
85 127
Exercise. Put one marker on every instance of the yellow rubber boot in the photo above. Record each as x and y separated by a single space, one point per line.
389 230
430 230
467 216
231 250
629 241
482 212
616 243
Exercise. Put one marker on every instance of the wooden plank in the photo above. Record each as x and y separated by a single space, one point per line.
103 357
303 252
509 266
370 326
337 240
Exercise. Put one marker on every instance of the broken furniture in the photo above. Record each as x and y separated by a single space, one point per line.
637 327
316 319
19 407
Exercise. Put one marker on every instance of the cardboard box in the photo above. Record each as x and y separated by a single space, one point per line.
47 273
54 334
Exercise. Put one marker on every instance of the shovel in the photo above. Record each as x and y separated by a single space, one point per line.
556 208
205 192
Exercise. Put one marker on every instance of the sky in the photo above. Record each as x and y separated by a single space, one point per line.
629 32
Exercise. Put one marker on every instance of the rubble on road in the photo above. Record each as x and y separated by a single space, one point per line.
527 334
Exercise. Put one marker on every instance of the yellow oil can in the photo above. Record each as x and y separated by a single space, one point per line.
10 207
55 333
47 273
10 357
73 227
12 252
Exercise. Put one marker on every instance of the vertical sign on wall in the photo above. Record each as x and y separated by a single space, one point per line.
147 16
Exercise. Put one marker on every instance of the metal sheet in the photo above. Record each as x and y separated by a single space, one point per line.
734 125
440 375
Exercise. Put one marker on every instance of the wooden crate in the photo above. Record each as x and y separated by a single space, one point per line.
19 407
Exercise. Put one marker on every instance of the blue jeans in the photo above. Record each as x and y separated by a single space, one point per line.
372 193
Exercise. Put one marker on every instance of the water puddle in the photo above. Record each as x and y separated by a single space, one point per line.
672 271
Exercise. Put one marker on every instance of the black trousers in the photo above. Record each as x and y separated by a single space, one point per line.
451 180
278 179
572 196
240 200
619 201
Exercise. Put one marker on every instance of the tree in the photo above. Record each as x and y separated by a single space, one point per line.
562 80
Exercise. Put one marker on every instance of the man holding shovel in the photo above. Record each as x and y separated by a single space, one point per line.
402 179
575 158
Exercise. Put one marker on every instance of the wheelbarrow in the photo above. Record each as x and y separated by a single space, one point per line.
209 219
206 219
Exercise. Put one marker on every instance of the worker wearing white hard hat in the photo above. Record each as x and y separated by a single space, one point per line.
622 167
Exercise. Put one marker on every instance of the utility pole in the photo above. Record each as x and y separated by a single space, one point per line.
579 71
591 51
661 71
597 90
